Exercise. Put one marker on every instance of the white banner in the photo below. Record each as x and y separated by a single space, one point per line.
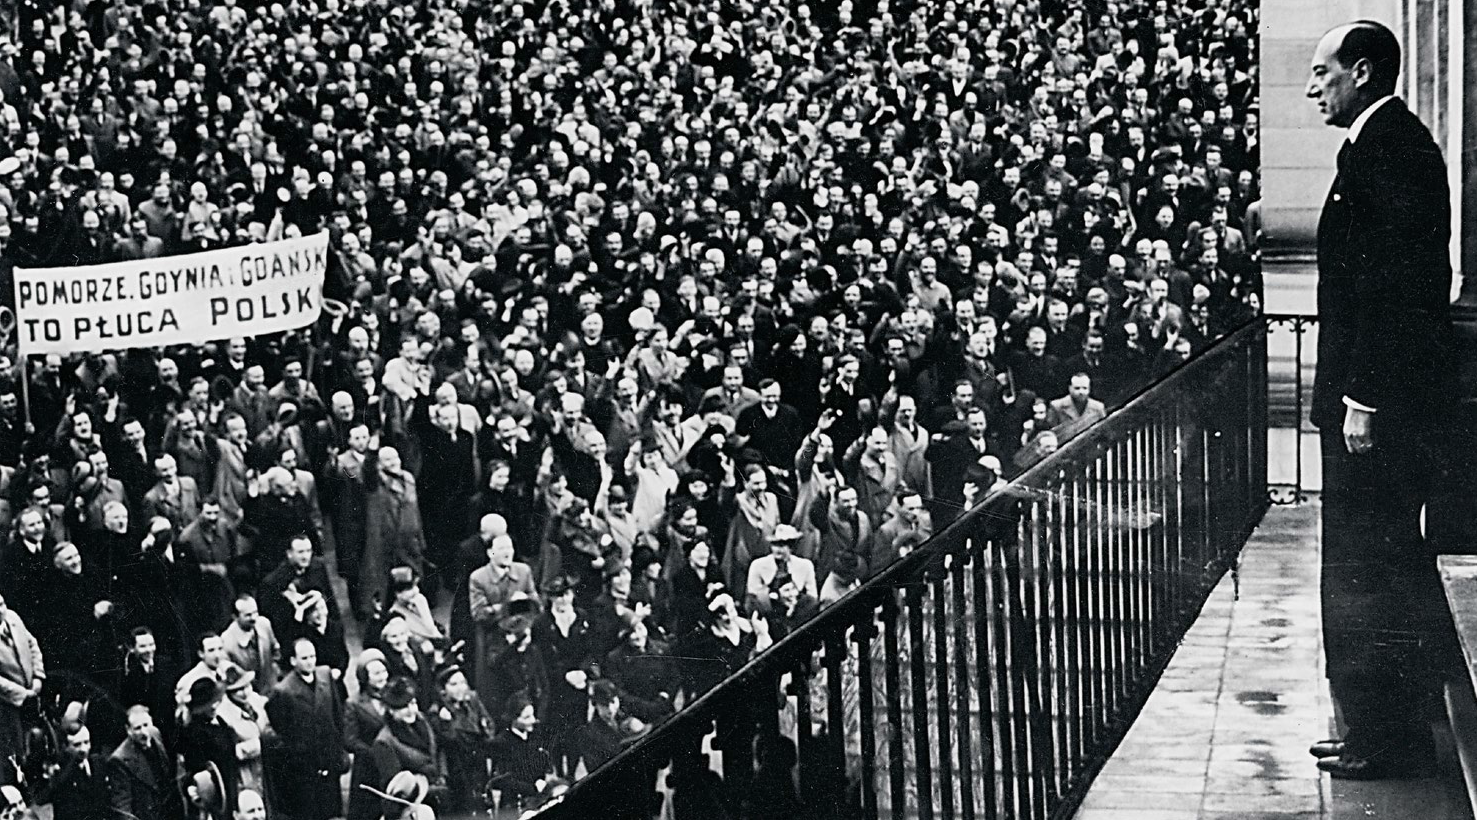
187 299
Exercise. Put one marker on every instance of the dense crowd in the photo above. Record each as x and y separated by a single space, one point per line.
656 326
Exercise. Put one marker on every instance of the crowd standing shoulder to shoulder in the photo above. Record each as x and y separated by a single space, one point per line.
655 326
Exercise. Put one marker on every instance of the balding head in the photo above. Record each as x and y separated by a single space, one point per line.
492 526
1353 66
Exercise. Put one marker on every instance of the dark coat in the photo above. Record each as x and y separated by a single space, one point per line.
1384 275
272 521
363 720
519 763
22 574
143 782
646 680
464 734
154 690
513 671
309 720
405 747
204 742
276 606
564 654
77 795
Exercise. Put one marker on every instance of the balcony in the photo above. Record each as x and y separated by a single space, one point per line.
1091 641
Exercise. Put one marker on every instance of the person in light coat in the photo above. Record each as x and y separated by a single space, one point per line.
22 674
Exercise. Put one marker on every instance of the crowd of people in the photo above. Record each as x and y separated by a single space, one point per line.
655 326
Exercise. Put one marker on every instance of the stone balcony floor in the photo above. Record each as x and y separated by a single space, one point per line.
1226 732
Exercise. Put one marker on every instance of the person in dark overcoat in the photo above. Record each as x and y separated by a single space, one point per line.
142 776
1384 391
80 789
307 712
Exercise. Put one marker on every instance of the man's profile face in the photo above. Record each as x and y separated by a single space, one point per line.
1333 86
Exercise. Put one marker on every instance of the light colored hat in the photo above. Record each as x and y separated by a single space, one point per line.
642 319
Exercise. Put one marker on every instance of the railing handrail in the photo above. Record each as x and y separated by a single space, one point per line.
860 602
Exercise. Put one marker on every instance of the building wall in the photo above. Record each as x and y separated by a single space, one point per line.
1298 150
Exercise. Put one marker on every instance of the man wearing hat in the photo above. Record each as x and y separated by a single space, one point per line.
518 665
205 740
781 560
406 743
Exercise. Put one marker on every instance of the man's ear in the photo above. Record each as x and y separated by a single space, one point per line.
1363 72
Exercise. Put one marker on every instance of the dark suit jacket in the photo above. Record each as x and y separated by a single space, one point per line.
1384 275
144 783
309 720
78 795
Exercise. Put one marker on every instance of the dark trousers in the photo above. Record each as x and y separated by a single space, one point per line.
1387 632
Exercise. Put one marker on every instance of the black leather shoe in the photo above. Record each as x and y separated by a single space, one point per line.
1332 747
1352 767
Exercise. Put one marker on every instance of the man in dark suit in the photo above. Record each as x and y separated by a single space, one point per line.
308 715
80 787
447 480
141 774
951 451
1384 384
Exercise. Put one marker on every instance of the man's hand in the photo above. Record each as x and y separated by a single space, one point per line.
1358 430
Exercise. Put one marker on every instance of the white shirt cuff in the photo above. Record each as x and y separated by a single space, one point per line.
1348 402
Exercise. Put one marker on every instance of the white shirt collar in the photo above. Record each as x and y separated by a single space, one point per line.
1364 116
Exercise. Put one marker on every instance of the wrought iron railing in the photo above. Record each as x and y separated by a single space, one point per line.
990 673
1289 361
